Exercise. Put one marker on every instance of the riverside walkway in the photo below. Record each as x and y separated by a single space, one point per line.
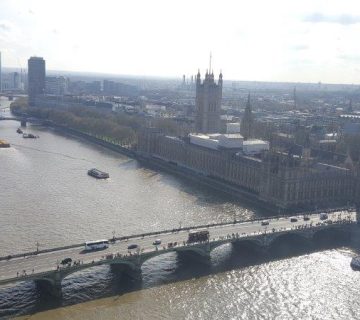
45 268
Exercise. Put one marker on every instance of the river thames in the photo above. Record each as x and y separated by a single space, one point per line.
46 197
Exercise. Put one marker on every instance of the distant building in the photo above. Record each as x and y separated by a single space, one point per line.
0 74
208 104
11 81
118 89
56 85
247 122
233 127
36 78
351 129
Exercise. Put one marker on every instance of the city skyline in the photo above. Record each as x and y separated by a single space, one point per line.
309 41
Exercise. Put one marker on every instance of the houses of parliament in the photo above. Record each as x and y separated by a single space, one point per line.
248 165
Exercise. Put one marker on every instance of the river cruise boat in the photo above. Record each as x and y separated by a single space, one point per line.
29 136
98 174
355 263
4 144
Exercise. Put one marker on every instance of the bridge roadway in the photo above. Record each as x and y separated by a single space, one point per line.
45 265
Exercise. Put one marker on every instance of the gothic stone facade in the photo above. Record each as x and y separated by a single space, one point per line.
282 180
208 104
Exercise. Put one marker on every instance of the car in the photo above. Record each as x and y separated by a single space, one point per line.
132 246
323 216
293 219
264 223
66 261
157 242
306 218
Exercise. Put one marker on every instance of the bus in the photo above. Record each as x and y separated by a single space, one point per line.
96 245
198 235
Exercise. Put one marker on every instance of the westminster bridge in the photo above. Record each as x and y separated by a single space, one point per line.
45 268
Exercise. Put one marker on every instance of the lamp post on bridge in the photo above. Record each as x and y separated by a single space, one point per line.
37 246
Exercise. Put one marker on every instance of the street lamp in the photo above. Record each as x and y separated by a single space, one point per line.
37 246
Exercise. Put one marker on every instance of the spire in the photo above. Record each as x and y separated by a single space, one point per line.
248 105
350 108
246 127
198 78
210 63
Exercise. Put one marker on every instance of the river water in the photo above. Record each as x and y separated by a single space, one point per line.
47 197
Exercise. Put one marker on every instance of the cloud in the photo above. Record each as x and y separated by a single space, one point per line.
300 47
350 57
343 19
4 26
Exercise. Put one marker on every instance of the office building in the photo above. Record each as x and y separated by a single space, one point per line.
36 79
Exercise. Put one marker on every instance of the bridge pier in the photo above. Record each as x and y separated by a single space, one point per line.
23 123
199 253
51 285
131 269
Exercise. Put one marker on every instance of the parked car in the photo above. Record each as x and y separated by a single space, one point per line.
132 246
293 219
157 242
264 223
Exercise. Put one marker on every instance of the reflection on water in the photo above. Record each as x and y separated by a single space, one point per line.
312 286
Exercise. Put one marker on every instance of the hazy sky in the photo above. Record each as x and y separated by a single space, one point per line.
277 40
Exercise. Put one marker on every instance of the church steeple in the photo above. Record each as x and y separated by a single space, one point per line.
350 108
246 127
248 105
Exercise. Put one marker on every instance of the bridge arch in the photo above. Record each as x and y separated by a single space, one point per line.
255 245
332 236
290 243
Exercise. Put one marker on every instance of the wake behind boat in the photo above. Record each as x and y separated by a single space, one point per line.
98 174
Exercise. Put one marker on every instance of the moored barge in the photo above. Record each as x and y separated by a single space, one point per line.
98 174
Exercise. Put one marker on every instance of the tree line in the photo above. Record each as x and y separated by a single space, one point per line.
118 128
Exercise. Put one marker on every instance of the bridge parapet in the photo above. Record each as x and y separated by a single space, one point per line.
131 263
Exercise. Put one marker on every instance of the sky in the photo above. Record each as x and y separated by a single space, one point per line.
260 40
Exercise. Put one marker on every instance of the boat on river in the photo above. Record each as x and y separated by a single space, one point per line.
355 263
4 144
30 136
98 174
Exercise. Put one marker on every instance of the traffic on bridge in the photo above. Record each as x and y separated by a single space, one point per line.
57 263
